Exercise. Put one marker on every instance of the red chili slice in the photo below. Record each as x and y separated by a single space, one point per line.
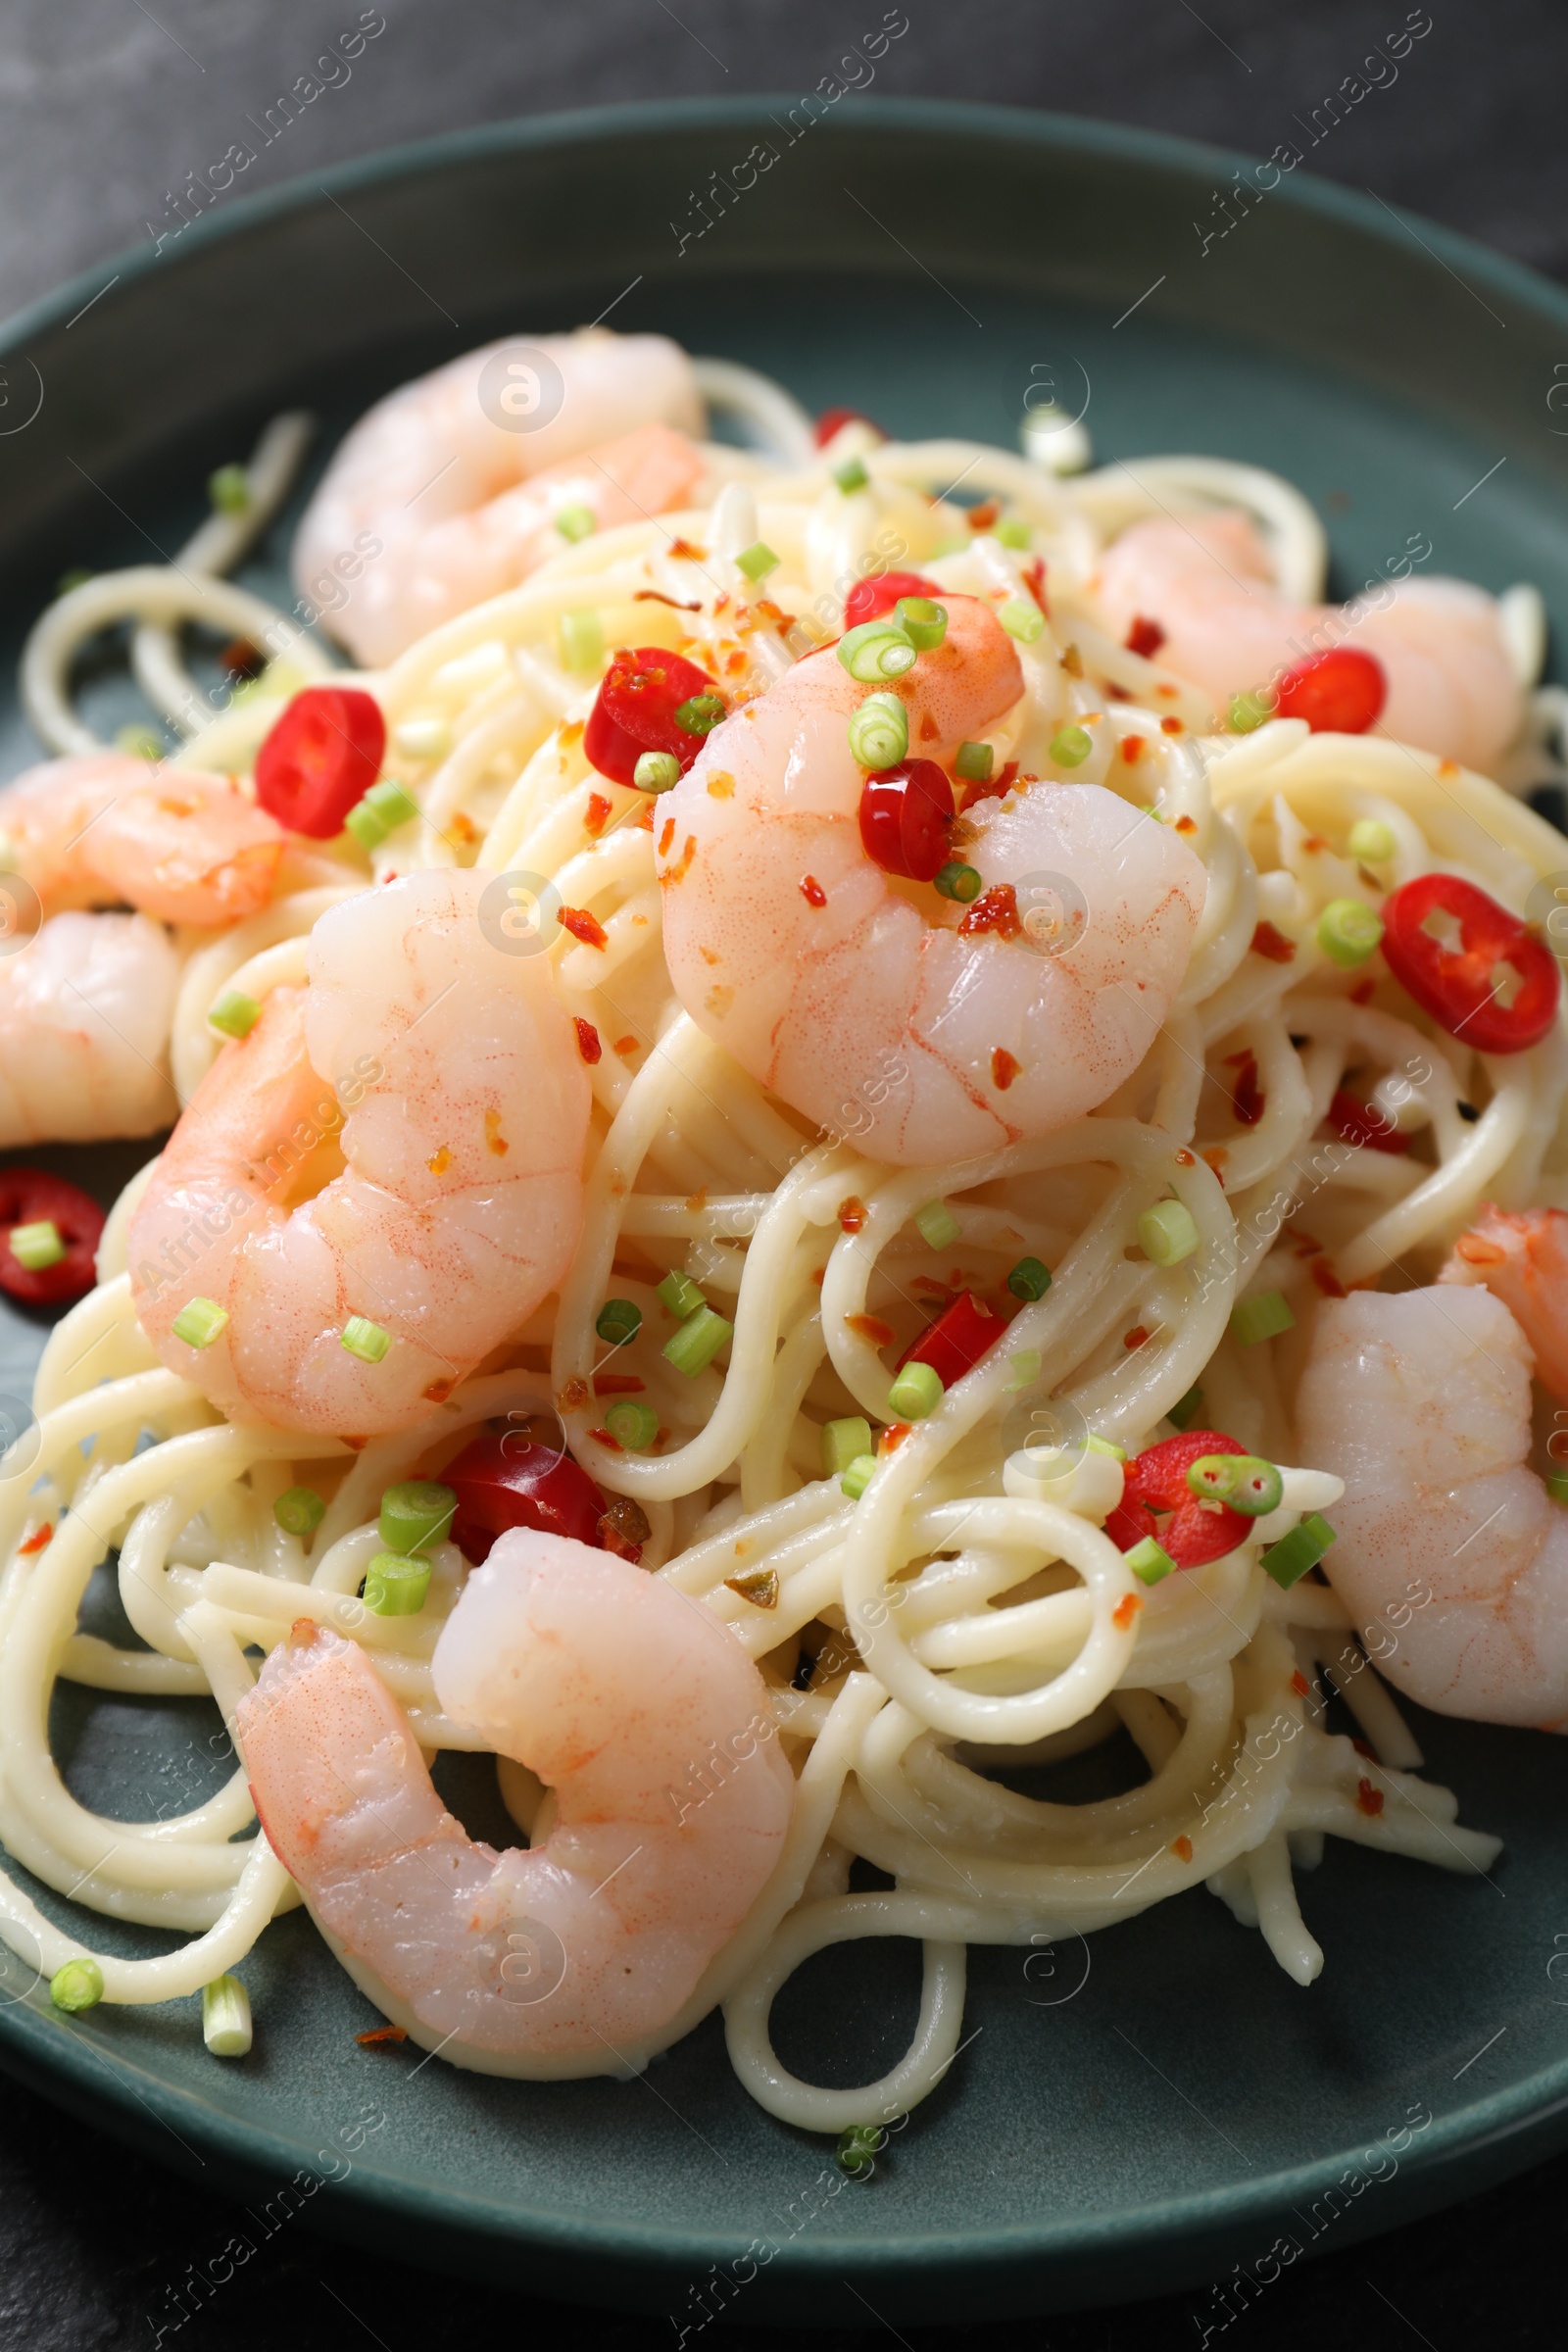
1358 1123
904 815
321 757
1459 983
1155 1480
868 600
1337 693
833 421
634 710
957 1341
503 1480
32 1196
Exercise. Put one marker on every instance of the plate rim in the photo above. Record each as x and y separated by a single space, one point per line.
1506 2130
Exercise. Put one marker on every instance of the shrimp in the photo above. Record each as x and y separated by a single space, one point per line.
1420 1401
460 508
937 1033
84 1019
441 1211
103 829
1523 1261
1206 581
651 1726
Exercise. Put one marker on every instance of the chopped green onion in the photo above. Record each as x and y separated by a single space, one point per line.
1030 1278
698 1341
1288 1560
875 650
879 732
1012 531
227 2018
199 1322
1106 1447
916 1393
1261 1318
858 1477
236 1013
139 743
576 522
36 1246
1022 618
1150 1561
1168 1233
1216 1475
844 1443
757 561
1070 747
384 808
422 738
1347 931
395 1586
582 640
1557 1485
300 1511
922 621
850 475
416 1515
937 1225
1247 711
68 580
364 1338
76 1984
1371 842
634 1426
680 1295
618 1320
230 489
700 714
956 880
974 762
1025 1367
1186 1409
656 772
858 2150
1256 1488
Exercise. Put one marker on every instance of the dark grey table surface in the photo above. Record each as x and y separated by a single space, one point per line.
104 106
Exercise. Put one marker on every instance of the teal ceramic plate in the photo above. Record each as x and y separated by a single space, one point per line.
1133 2115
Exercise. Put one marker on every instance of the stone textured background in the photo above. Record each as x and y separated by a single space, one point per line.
105 105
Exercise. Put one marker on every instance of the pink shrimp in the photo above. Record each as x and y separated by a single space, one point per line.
460 507
1522 1258
930 1031
103 829
651 1726
1204 581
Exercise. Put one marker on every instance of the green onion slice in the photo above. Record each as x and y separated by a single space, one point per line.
879 732
416 1515
619 1321
395 1585
364 1338
680 1295
924 621
699 1340
1168 1233
875 650
300 1511
1030 1278
1261 1318
634 1426
36 1246
199 1322
937 1225
916 1393
844 1443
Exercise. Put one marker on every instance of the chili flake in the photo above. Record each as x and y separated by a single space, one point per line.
1144 637
1004 1069
1126 1609
596 815
811 891
995 909
588 1045
872 1328
1368 1800
852 1213
584 926
1182 1847
1273 945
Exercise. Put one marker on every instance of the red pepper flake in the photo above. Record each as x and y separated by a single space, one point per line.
1136 1336
596 815
382 2037
1328 1282
584 926
652 596
1364 1748
1126 1609
872 1328
1362 992
679 872
992 788
1132 749
1034 579
1144 637
811 891
819 1275
494 1139
684 547
1170 724
666 836
1368 1800
1477 1253
241 659
929 730
1314 842
1355 1122
618 1384
1274 945
1182 1847
852 1213
1004 1069
1247 1098
1214 1160
37 1541
985 514
588 1045
1300 1684
1448 767
1185 824
439 1391
995 909
356 1444
625 1046
571 733
573 1397
1306 1245
1183 1159
605 1438
894 1435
